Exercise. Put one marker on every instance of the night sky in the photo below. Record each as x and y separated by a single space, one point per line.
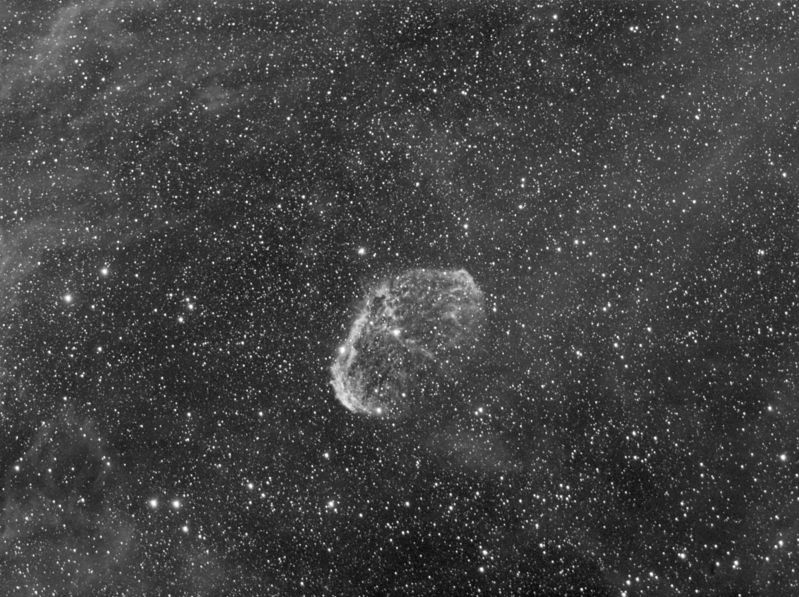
197 196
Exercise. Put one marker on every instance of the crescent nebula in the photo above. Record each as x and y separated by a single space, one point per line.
412 333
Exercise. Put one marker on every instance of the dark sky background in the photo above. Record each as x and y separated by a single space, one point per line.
194 196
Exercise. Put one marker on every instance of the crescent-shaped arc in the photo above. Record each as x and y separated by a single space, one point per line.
348 384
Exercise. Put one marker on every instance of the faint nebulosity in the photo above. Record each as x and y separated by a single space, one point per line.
399 298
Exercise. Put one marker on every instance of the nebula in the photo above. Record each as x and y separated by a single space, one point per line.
412 333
